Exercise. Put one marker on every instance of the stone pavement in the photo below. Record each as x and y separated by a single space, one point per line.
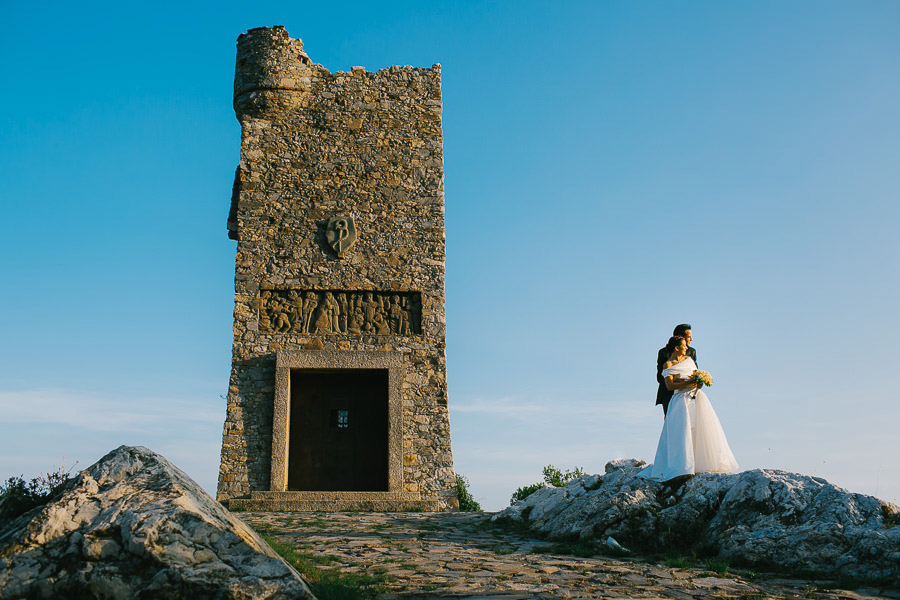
463 556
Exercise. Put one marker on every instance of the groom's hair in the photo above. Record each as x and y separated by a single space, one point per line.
680 329
673 341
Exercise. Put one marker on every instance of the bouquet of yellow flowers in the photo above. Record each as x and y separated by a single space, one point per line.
701 378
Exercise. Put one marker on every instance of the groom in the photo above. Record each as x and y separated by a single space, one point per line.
663 394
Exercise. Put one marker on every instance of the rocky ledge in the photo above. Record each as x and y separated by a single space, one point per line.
135 526
763 517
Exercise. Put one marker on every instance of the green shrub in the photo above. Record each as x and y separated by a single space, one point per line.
18 496
524 492
552 477
557 478
466 501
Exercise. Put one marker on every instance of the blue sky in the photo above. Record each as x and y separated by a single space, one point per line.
612 169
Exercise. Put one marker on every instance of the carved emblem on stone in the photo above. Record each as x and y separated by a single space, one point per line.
340 233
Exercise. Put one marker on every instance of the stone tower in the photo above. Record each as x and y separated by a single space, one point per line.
338 391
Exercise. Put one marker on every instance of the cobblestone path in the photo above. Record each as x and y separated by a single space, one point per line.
460 555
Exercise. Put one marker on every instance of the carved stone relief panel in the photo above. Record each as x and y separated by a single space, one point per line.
340 312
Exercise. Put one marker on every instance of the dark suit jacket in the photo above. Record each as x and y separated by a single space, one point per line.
663 395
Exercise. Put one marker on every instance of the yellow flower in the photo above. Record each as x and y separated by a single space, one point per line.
703 378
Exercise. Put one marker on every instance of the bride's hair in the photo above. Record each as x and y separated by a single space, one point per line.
673 342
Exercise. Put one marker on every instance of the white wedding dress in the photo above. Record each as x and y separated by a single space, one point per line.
692 440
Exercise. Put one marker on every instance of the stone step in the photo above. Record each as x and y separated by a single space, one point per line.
336 501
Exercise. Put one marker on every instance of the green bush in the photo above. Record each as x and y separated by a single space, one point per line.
18 496
466 501
557 478
524 491
552 477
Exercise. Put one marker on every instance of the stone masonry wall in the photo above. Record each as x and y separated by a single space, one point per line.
314 145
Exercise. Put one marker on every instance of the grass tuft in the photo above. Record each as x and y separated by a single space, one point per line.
720 567
678 562
328 584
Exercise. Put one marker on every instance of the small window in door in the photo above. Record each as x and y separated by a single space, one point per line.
340 418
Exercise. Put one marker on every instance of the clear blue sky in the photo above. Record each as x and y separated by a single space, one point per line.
612 169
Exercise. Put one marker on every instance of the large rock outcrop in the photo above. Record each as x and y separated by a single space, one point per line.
762 517
135 526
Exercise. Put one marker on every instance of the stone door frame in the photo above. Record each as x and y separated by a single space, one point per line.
286 361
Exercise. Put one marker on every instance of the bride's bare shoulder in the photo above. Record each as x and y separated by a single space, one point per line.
669 363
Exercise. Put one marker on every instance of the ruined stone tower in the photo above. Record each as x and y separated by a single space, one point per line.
338 390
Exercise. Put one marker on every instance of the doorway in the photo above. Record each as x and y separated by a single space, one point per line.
338 430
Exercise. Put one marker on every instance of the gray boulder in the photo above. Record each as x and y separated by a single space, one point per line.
759 517
134 526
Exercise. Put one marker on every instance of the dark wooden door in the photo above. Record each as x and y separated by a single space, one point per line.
339 430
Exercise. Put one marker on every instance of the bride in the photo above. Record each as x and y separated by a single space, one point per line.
692 440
